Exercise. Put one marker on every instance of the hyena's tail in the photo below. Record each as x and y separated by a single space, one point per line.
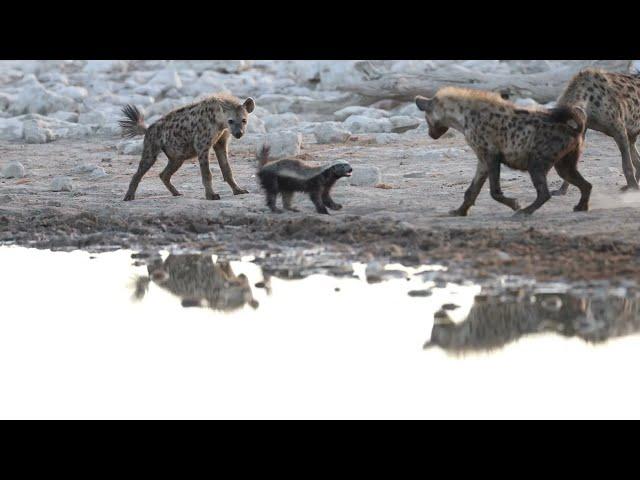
133 122
573 116
263 156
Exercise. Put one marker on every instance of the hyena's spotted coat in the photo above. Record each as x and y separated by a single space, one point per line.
188 132
611 102
499 132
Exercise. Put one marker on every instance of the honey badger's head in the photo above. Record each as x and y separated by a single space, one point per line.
237 117
340 169
433 113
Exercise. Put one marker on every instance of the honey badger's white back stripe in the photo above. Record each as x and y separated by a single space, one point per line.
305 174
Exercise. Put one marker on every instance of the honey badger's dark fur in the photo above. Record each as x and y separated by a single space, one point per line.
292 175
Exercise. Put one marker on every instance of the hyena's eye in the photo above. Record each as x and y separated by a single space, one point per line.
244 120
230 122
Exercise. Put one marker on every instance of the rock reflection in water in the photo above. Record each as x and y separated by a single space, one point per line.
494 322
198 281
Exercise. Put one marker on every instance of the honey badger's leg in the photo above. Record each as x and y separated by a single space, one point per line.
494 183
538 169
316 198
474 189
328 201
622 140
287 198
220 148
270 186
171 168
202 146
150 152
567 169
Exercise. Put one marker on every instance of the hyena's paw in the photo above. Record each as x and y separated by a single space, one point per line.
629 188
522 213
212 196
240 191
458 212
581 207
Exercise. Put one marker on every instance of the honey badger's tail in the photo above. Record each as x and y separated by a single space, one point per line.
263 156
573 116
133 123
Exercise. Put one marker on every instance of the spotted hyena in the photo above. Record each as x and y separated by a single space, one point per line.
499 132
611 102
188 132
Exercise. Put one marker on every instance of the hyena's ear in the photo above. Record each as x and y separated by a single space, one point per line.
423 102
249 104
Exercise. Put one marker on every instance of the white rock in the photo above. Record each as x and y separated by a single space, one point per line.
280 122
361 124
255 124
75 93
13 170
93 117
106 66
275 103
365 175
130 147
61 184
343 114
36 131
331 132
403 123
281 144
98 172
65 116
6 99
34 98
11 129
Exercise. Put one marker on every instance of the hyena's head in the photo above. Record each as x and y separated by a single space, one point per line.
237 117
434 114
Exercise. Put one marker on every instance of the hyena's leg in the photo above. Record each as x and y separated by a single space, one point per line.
567 169
150 152
287 198
622 140
494 183
220 148
474 189
316 198
202 146
171 168
565 185
635 156
538 169
328 201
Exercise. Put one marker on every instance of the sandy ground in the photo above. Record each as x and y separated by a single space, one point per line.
406 222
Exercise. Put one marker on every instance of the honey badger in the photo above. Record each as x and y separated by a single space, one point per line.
188 132
292 175
499 133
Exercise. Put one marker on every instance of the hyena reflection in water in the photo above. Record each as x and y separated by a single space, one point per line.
492 324
197 280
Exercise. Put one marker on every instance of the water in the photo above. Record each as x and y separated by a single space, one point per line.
191 336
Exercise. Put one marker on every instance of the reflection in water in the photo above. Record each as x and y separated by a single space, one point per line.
198 281
494 322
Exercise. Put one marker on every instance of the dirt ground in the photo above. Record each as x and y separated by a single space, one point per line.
404 222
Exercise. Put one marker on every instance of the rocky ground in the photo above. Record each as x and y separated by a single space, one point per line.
58 121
